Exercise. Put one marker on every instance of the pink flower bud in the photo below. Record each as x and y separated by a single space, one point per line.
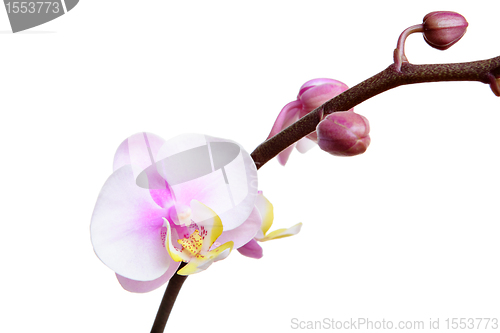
344 134
443 29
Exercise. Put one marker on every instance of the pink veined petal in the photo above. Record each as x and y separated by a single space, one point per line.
147 286
288 111
251 249
305 144
125 229
244 233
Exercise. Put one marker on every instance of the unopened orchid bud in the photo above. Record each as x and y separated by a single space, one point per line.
443 29
344 134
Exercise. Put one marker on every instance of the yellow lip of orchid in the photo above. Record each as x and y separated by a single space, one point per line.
197 265
195 249
281 233
266 211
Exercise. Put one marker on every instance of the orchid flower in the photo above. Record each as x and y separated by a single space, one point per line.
194 190
312 94
252 249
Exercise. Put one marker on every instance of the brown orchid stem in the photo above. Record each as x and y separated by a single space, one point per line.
481 71
168 300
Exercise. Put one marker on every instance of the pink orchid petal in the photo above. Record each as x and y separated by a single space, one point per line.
318 95
251 249
217 172
244 233
285 154
316 82
125 229
288 111
162 197
147 286
305 144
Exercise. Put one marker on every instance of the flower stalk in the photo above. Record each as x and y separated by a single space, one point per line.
485 71
481 71
441 30
168 300
399 52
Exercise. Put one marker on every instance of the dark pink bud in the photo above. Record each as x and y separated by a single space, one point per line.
443 29
344 134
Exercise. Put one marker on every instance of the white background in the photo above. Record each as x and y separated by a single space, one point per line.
407 231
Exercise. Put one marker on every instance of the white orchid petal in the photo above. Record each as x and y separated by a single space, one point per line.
125 229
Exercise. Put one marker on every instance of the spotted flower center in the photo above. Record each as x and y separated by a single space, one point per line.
192 244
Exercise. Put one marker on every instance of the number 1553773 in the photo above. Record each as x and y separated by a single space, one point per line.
32 7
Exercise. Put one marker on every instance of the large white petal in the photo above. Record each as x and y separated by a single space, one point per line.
125 229
147 286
